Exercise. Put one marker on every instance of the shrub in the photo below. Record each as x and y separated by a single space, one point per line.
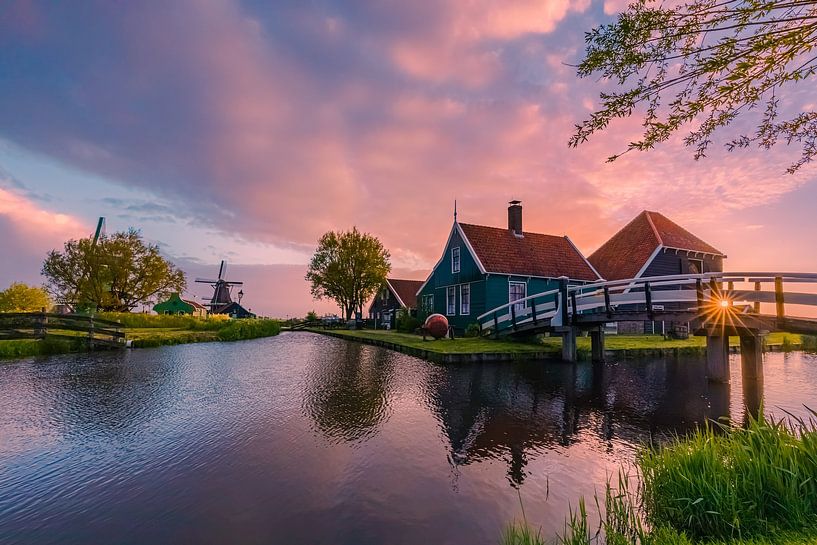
473 330
406 323
250 328
177 321
809 343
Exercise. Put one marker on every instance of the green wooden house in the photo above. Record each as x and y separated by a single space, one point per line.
176 305
483 267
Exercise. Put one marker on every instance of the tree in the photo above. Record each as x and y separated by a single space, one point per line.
117 273
312 316
19 297
704 64
348 267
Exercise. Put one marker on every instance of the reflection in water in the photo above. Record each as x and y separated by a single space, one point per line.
308 439
488 412
347 393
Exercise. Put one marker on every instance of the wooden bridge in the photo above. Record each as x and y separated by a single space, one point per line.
715 305
67 327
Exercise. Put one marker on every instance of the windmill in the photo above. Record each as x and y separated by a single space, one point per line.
221 289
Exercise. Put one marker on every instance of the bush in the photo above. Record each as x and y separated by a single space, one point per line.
473 330
213 322
406 323
809 343
251 328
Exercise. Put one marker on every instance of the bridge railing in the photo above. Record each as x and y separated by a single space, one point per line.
70 327
696 294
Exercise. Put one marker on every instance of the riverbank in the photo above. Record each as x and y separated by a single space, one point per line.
467 349
147 331
720 485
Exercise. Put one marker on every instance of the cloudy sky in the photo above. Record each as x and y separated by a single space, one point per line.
243 130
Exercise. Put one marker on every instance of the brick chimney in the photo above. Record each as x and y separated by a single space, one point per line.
515 217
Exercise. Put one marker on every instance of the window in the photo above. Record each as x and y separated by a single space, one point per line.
455 259
465 299
451 300
517 291
696 266
428 303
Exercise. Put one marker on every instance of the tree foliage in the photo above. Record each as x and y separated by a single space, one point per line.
348 267
703 64
118 273
19 297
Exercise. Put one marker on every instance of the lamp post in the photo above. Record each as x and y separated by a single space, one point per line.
240 295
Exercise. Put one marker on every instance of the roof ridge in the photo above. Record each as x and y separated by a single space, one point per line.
504 229
654 228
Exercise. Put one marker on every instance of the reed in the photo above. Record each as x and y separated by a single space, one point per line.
750 486
176 321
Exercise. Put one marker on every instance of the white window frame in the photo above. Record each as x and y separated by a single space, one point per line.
519 307
699 261
463 310
456 251
451 301
428 303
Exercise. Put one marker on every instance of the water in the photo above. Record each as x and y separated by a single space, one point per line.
307 439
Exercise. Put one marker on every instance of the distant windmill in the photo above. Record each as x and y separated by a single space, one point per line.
221 289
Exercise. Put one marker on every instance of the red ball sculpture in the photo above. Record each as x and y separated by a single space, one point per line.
437 326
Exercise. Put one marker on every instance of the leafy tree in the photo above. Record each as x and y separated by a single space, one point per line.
117 274
704 64
312 316
348 267
19 297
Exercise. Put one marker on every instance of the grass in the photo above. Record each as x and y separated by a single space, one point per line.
550 345
463 345
145 330
720 486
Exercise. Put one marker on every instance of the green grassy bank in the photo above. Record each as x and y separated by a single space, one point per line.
146 330
754 485
620 345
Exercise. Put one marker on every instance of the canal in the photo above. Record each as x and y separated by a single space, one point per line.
302 438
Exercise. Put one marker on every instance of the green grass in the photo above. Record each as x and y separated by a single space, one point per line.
464 345
548 345
720 486
150 331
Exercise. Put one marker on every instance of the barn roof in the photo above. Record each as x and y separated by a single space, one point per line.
533 254
405 290
629 250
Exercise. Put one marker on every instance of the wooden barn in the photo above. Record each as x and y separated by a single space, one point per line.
176 305
396 294
653 245
485 267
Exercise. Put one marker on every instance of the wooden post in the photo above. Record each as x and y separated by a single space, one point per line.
751 368
569 344
513 316
717 358
41 325
757 303
607 308
573 306
778 297
91 332
648 299
597 345
496 325
563 298
533 310
699 292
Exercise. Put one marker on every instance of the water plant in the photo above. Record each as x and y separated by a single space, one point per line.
720 485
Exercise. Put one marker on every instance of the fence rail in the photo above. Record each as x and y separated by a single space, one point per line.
71 327
684 295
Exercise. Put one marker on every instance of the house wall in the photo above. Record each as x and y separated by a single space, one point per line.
384 301
668 262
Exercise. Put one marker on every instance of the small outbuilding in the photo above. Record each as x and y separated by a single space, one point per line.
234 310
176 305
396 294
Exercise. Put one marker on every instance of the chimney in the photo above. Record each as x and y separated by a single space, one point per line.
515 217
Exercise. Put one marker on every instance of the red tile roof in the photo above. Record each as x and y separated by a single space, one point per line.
533 254
624 255
406 290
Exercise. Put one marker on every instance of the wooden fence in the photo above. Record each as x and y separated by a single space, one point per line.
69 327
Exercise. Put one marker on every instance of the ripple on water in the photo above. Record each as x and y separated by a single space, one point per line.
304 438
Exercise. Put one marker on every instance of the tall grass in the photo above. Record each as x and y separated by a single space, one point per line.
752 485
237 330
743 482
809 343
176 321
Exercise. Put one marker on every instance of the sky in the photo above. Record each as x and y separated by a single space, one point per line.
243 130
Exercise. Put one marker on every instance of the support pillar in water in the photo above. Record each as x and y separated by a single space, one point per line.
717 358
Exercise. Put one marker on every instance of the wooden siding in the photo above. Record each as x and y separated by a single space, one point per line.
667 262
